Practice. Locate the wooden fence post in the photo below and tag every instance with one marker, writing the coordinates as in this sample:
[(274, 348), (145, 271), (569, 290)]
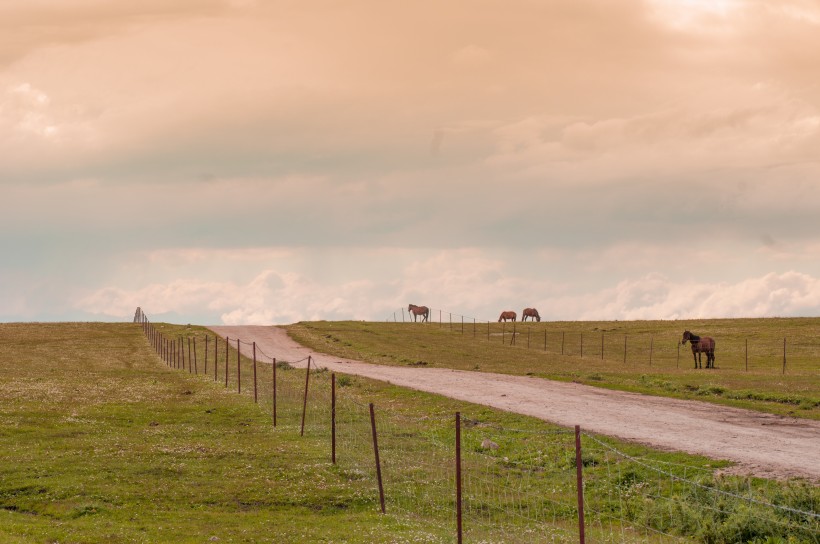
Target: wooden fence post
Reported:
[(226, 361), (747, 355), (376, 452), (304, 402), (238, 369), (333, 418), (274, 392), (206, 355), (579, 474), (624, 350), (255, 399), (458, 477), (784, 355)]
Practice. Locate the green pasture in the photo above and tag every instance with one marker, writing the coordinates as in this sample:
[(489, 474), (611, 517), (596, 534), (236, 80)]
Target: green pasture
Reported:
[(101, 440), (640, 356)]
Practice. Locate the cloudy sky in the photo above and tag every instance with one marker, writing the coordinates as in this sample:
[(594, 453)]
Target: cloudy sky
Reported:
[(241, 161)]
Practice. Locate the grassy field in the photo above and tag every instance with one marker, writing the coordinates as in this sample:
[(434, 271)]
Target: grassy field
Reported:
[(100, 441), (749, 369)]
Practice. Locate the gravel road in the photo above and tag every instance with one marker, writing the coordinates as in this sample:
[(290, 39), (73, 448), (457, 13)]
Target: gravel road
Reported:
[(761, 444)]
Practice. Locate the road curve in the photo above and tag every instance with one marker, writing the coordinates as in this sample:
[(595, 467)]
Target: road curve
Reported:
[(761, 444)]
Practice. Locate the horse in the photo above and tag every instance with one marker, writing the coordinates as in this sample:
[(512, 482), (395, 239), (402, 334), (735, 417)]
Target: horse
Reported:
[(532, 313), (701, 345), (416, 311), (507, 315)]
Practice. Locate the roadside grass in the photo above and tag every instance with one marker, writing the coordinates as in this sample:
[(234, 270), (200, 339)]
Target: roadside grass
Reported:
[(749, 369), (101, 441)]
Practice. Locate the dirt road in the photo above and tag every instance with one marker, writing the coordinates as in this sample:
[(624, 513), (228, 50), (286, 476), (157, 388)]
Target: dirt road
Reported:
[(761, 444)]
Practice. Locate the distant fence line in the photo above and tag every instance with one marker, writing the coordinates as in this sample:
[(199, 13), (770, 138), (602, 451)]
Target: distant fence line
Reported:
[(663, 351), (560, 485)]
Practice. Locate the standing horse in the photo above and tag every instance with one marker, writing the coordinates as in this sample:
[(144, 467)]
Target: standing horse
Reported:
[(507, 315), (699, 346), (416, 311), (532, 313)]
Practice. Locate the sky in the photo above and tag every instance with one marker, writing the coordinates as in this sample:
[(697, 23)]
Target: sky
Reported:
[(272, 161)]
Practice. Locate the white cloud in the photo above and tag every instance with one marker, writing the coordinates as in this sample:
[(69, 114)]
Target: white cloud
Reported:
[(656, 297)]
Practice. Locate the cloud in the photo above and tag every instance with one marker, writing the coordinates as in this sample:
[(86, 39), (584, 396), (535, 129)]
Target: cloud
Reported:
[(656, 297)]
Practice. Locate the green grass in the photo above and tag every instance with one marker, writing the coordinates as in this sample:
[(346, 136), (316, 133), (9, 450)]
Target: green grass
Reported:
[(100, 441), (748, 377)]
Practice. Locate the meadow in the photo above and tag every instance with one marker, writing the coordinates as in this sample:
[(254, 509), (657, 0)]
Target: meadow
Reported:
[(639, 356), (101, 440)]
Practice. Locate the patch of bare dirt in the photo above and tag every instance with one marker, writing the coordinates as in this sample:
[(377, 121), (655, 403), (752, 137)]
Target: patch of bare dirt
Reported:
[(761, 444)]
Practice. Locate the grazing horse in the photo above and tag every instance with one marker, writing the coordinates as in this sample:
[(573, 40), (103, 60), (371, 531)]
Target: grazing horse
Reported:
[(701, 345), (507, 315), (532, 313), (416, 311)]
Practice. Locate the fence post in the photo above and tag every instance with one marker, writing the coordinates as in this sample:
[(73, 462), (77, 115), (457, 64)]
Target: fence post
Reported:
[(333, 418), (579, 474), (216, 356), (458, 476), (274, 392), (304, 402), (238, 369), (784, 355), (226, 361), (677, 362), (376, 452), (196, 367), (190, 359), (602, 346), (651, 348), (624, 350), (206, 355), (512, 341), (254, 374), (747, 355)]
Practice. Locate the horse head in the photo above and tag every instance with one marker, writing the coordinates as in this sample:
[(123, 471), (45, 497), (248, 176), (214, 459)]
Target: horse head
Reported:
[(686, 336)]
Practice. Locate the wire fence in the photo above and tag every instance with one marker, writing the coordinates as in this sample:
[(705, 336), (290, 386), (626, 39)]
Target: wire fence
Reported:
[(662, 350), (468, 478)]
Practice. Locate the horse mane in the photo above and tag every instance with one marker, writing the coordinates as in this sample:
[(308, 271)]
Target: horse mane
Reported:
[(694, 337)]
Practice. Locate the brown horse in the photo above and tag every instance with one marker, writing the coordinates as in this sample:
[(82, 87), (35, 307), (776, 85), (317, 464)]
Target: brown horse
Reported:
[(507, 315), (532, 313), (416, 311), (701, 345)]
